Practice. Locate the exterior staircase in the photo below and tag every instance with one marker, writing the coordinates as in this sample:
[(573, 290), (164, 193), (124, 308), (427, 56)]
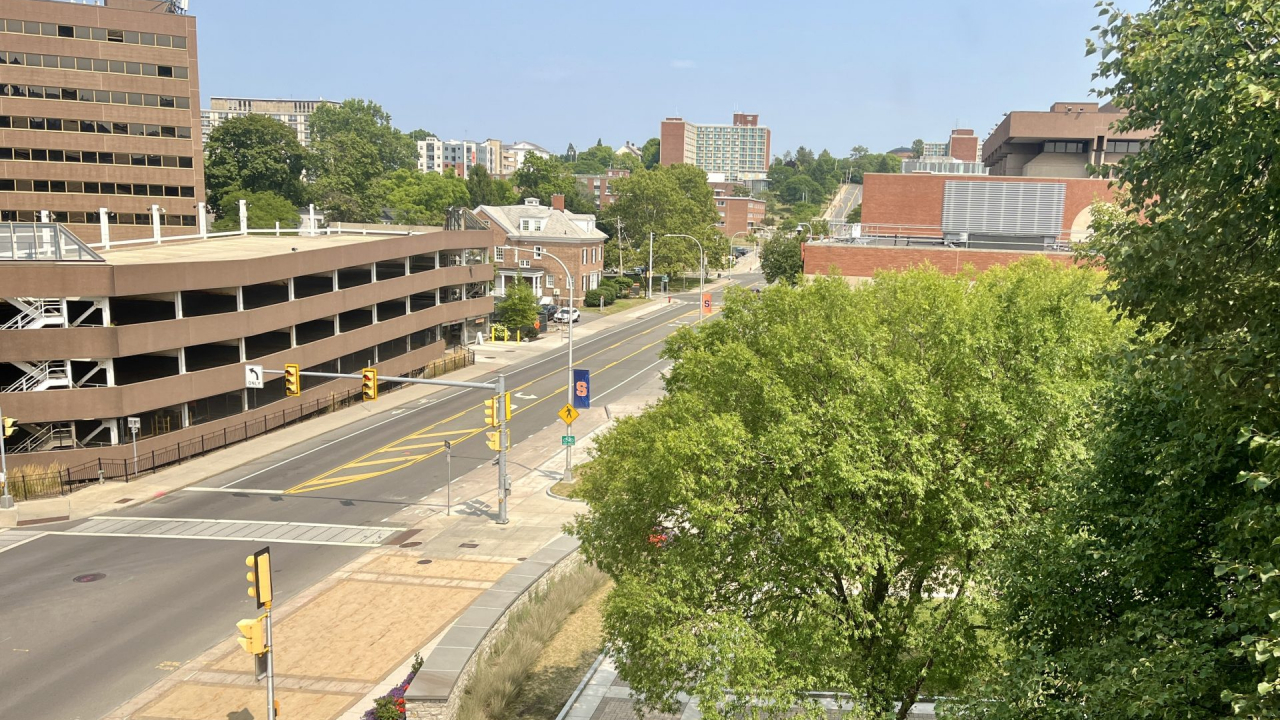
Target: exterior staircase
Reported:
[(35, 313), (55, 436), (43, 376)]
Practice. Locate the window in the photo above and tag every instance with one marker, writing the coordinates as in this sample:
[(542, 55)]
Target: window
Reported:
[(585, 255), (549, 280), (497, 254), (537, 252), (1125, 146), (524, 263), (1064, 147)]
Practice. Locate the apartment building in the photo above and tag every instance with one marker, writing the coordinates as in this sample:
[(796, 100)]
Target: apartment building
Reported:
[(436, 155), (294, 113), (1062, 142), (99, 117), (740, 151), (513, 156), (597, 187), (90, 337), (537, 233)]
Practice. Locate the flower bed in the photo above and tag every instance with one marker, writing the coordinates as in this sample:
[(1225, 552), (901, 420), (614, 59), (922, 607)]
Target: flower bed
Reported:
[(391, 705)]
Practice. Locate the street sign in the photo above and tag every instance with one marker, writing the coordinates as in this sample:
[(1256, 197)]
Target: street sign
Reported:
[(568, 440), (706, 302), (568, 414), (582, 389), (253, 376), (135, 424)]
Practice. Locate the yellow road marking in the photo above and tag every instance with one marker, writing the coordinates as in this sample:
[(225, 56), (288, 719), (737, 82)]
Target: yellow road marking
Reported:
[(330, 478), (418, 445)]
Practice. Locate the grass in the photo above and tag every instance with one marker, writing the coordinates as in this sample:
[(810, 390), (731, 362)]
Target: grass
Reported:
[(565, 489), (563, 663), (509, 662), (621, 305), (37, 471)]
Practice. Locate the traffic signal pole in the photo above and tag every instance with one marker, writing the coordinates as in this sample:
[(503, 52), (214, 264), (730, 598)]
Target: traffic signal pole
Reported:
[(504, 483), (6, 500), (271, 666)]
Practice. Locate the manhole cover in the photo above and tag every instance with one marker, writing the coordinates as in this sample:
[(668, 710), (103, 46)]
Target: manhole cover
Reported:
[(88, 577), (410, 544), (521, 559), (470, 545), (424, 562)]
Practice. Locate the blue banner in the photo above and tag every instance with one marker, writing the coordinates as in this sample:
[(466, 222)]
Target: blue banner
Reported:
[(582, 389)]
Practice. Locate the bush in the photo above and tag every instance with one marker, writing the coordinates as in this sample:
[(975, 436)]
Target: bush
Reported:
[(591, 299), (610, 294), (529, 332)]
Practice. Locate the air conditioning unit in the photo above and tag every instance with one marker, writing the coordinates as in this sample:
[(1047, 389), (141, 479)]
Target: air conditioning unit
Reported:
[(555, 292)]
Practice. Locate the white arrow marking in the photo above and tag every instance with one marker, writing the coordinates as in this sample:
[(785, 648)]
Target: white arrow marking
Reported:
[(522, 396)]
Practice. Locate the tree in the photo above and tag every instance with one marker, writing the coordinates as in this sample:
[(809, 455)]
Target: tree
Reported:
[(254, 153), (627, 161), (541, 178), (483, 189), (1151, 591), (672, 199), (419, 135), (781, 260), (801, 188), (855, 215), (353, 146), (518, 308), (264, 210), (804, 157), (813, 503), (651, 153), (917, 148), (418, 198), (858, 151), (741, 191), (594, 160)]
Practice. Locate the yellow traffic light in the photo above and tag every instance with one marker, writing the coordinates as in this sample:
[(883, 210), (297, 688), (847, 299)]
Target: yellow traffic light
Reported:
[(369, 383), (259, 576), (254, 632), (506, 403), (491, 411), (9, 426), (292, 380), (494, 441)]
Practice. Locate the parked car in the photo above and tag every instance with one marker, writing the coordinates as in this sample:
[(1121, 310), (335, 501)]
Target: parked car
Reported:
[(548, 309), (567, 314), (740, 251)]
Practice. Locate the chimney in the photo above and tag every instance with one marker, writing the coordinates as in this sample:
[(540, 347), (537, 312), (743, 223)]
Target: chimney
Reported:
[(557, 202)]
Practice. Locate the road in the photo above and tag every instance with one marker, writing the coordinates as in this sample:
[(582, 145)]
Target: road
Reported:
[(848, 197), (162, 587)]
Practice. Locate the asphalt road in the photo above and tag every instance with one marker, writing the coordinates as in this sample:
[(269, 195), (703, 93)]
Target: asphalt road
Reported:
[(846, 199), (75, 649)]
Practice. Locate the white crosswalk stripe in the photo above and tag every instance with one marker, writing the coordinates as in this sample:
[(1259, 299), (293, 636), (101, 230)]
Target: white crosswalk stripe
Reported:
[(10, 539), (243, 530)]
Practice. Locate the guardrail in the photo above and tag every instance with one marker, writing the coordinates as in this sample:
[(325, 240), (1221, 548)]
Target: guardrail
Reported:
[(885, 234), (67, 481)]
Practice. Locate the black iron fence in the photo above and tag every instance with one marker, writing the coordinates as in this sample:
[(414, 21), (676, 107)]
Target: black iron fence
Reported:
[(68, 480)]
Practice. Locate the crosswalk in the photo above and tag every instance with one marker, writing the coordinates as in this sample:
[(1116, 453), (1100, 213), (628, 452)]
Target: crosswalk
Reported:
[(242, 530), (10, 539)]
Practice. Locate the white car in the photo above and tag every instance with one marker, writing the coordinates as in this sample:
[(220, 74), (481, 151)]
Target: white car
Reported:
[(566, 314)]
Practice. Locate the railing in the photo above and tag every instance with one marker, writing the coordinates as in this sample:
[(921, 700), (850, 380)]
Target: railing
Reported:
[(44, 371), (885, 234), (49, 242), (33, 311), (64, 482), (65, 436)]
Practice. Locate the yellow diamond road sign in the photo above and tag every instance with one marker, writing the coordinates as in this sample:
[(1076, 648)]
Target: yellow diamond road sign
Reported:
[(568, 414)]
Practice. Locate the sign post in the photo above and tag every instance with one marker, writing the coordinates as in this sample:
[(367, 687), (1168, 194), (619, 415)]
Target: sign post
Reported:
[(448, 477), (253, 376), (135, 424)]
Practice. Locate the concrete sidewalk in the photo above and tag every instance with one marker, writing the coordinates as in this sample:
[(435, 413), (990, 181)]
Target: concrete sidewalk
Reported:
[(112, 496), (352, 636)]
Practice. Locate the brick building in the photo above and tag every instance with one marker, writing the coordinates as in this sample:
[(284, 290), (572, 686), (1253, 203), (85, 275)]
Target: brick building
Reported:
[(294, 113), (597, 187), (1061, 143), (100, 112), (537, 231)]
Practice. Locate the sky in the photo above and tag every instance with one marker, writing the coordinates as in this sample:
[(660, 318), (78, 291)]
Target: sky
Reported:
[(824, 73)]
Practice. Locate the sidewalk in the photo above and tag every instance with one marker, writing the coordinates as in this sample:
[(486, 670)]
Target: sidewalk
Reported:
[(351, 637), (114, 495)]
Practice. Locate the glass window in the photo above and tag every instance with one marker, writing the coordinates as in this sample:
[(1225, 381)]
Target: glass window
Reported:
[(116, 66), (148, 38), (131, 37), (179, 42), (36, 123), (166, 101), (186, 162), (135, 98), (118, 98), (153, 131), (49, 29), (184, 103), (102, 96), (120, 128), (133, 68), (56, 156), (21, 154), (81, 63), (184, 133), (100, 65), (153, 161), (82, 33), (164, 41), (99, 34), (164, 71), (149, 69)]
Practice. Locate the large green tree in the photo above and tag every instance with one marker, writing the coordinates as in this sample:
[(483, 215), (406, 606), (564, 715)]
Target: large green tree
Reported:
[(519, 307), (670, 200), (418, 198), (254, 153), (484, 189), (781, 258), (813, 504), (263, 210), (651, 153), (541, 178), (354, 145), (1153, 590)]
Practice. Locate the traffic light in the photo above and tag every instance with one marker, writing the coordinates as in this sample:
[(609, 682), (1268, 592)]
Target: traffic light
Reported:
[(259, 576), (369, 383), (506, 404), (491, 411), (254, 632), (494, 440), (9, 425), (292, 380)]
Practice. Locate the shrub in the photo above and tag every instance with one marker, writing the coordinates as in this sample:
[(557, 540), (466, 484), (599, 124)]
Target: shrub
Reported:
[(529, 332), (591, 299), (610, 294)]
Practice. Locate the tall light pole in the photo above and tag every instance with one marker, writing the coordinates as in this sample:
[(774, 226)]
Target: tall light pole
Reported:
[(732, 259), (702, 284), (568, 451), (800, 225)]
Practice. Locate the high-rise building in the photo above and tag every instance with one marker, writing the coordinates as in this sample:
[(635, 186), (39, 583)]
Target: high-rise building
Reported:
[(436, 155), (294, 113), (99, 112), (740, 150)]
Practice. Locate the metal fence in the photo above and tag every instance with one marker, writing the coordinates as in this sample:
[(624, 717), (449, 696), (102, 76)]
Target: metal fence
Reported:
[(67, 481)]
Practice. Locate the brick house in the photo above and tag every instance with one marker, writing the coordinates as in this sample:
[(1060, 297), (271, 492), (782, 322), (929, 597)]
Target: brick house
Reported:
[(539, 233)]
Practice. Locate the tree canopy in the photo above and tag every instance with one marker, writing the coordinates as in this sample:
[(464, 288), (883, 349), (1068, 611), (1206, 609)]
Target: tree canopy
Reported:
[(541, 178), (484, 189), (1152, 590), (781, 258), (264, 209), (651, 153), (254, 153), (418, 198), (518, 308), (813, 504), (670, 200), (353, 146)]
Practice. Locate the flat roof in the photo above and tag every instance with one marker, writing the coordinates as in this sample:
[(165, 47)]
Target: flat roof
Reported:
[(241, 247)]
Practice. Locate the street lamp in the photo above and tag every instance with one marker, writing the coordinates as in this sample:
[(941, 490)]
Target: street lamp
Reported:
[(702, 284), (731, 237), (568, 451), (805, 225)]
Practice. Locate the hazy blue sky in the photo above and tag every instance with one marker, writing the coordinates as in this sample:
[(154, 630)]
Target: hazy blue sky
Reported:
[(827, 74)]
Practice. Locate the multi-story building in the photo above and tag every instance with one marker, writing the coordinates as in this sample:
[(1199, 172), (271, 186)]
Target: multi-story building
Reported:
[(99, 116), (159, 332), (536, 231), (436, 155), (1062, 142), (513, 156), (294, 113), (934, 150), (740, 150), (597, 187), (738, 214)]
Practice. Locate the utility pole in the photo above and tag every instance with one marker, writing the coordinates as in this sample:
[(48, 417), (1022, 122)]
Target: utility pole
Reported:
[(504, 483), (448, 477), (650, 266), (618, 221)]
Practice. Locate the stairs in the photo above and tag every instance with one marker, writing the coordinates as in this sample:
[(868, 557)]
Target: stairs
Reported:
[(43, 376), (50, 437), (35, 313)]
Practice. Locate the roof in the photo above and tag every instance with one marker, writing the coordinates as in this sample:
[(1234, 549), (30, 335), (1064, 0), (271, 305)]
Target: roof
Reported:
[(558, 226), (230, 248)]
